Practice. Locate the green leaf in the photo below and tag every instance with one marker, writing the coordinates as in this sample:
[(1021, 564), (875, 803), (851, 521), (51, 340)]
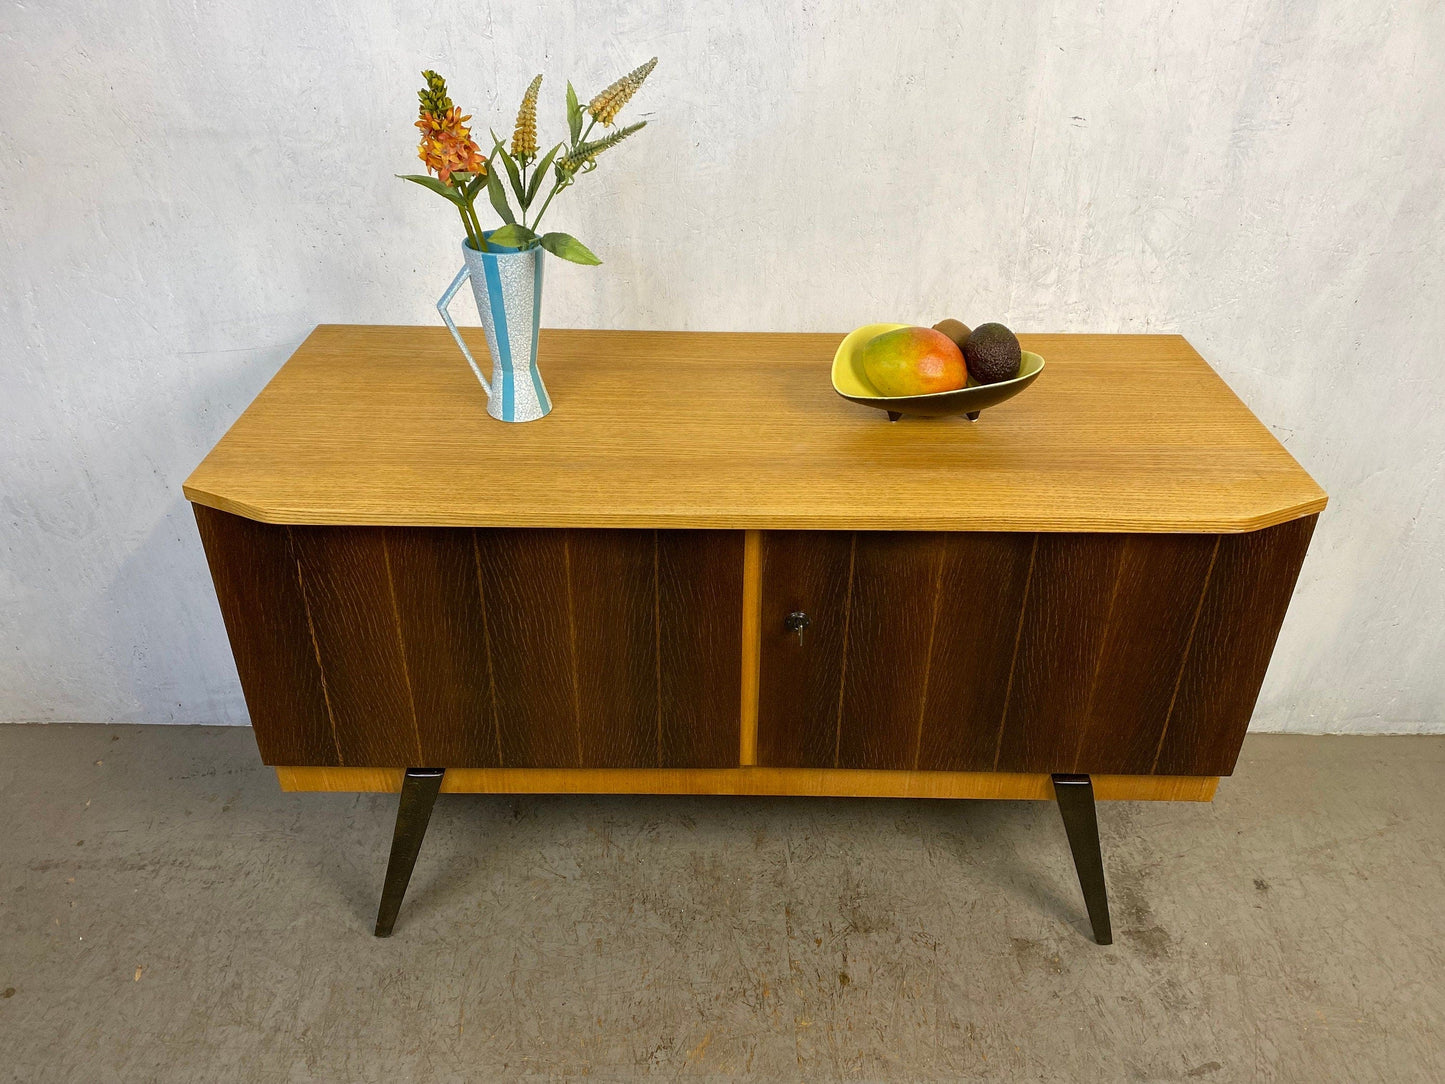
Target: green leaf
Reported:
[(513, 235), (475, 185), (569, 248), (445, 191), (498, 197), (574, 113), (511, 164), (541, 171)]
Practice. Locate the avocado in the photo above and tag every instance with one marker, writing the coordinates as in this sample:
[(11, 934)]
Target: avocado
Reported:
[(956, 330), (992, 354)]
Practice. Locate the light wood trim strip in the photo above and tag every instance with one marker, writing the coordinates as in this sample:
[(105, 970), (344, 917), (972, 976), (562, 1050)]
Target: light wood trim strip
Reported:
[(359, 780), (804, 782), (752, 645), (1062, 519)]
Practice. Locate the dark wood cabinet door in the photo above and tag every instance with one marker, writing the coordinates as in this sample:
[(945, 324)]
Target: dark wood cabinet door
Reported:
[(905, 663), (1130, 654), (614, 649), (461, 647)]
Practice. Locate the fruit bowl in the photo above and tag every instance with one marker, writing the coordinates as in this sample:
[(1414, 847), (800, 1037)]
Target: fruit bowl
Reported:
[(852, 383)]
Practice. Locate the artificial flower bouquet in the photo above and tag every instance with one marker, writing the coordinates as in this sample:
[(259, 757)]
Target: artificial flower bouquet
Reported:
[(461, 171)]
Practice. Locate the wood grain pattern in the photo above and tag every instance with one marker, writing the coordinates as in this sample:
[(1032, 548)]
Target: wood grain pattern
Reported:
[(596, 649), (1065, 620), (1239, 621), (801, 683), (931, 634), (460, 648), (700, 646), (386, 425), (259, 589), (892, 619), (1106, 632), (442, 628), (1112, 654), (523, 577), (985, 580), (1138, 669), (825, 782), (353, 608), (906, 664), (613, 602)]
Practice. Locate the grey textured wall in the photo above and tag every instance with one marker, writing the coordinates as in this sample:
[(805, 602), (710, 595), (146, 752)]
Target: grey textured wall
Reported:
[(186, 189)]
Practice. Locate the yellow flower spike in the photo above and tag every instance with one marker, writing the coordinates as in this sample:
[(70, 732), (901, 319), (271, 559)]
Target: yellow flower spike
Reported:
[(524, 136), (609, 102)]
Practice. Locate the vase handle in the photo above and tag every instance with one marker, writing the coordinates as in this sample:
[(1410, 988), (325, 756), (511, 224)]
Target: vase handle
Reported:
[(442, 303)]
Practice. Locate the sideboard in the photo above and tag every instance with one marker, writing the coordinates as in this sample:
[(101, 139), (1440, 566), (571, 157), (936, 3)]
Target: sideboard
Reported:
[(706, 573)]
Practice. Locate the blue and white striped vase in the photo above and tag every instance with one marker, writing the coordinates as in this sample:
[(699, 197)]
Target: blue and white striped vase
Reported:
[(507, 284)]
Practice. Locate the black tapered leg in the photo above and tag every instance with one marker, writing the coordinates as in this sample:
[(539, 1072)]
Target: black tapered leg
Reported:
[(1075, 794), (418, 794)]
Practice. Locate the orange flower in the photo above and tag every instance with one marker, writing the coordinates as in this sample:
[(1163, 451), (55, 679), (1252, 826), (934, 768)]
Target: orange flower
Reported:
[(447, 146)]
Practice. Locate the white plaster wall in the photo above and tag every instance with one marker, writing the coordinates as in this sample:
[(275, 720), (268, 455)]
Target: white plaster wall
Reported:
[(186, 189)]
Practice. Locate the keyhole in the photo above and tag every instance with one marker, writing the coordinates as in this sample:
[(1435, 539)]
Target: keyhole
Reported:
[(798, 622)]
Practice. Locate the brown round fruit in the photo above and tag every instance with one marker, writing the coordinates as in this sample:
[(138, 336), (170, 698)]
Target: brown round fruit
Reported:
[(956, 330), (992, 354)]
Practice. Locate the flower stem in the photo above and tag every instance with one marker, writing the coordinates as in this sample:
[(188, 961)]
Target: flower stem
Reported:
[(481, 242), (474, 227), (462, 208), (557, 186)]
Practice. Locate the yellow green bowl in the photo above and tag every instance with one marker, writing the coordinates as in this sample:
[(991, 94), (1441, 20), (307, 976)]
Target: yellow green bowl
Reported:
[(852, 383)]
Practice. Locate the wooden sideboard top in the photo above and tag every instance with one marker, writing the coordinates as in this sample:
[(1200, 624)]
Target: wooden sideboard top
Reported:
[(387, 425)]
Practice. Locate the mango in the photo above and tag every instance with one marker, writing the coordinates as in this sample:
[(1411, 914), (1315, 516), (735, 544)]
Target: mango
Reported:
[(913, 361)]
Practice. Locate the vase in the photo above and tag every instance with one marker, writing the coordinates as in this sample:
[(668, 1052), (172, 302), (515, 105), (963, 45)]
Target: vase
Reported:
[(507, 286)]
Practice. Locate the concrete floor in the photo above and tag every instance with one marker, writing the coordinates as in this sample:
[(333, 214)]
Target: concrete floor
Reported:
[(169, 915)]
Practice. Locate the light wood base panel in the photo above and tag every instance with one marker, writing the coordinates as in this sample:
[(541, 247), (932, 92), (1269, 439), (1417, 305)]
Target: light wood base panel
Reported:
[(802, 782)]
